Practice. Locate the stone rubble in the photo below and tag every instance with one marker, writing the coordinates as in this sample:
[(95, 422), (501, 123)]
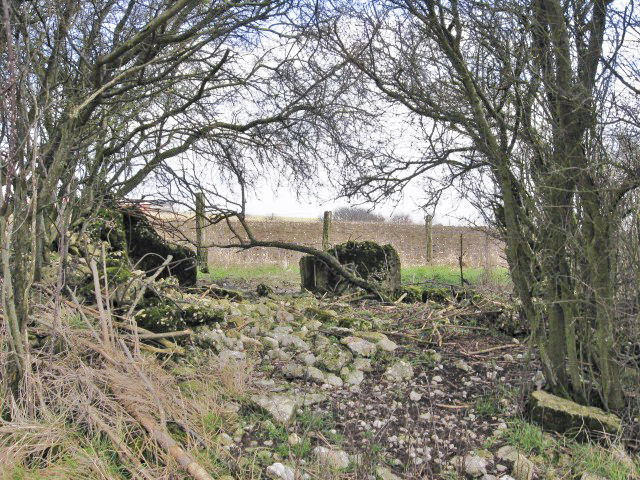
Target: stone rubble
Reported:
[(419, 405)]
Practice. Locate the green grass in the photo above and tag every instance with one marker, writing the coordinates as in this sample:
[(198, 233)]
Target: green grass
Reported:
[(436, 273), (451, 274), (594, 459), (527, 438), (567, 457), (489, 405), (264, 273)]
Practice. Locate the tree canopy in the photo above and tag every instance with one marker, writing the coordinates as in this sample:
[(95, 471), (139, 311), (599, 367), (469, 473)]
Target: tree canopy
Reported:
[(528, 108)]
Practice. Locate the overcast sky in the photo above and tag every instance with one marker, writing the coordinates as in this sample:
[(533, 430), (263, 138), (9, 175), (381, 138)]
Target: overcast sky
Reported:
[(285, 204)]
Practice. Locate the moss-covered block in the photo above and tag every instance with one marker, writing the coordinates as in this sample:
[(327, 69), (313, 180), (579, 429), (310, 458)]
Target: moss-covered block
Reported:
[(161, 317), (377, 264), (562, 415), (106, 226)]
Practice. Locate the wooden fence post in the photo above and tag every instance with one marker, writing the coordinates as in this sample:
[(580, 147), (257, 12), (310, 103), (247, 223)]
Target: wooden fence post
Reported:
[(326, 229), (487, 253), (202, 252), (428, 219), (462, 280)]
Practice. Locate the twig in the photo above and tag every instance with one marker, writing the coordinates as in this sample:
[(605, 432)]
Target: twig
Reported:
[(163, 351), (154, 336), (404, 335), (399, 300), (453, 407), (104, 325), (492, 349), (81, 312)]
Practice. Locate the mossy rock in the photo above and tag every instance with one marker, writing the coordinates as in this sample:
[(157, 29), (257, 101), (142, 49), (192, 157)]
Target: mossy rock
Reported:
[(333, 357), (199, 314), (421, 293), (377, 264), (106, 225), (161, 317), (355, 323), (158, 316), (440, 295), (329, 317), (412, 293), (264, 290), (149, 250), (562, 415)]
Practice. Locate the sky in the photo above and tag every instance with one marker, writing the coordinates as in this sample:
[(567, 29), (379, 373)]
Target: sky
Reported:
[(285, 204)]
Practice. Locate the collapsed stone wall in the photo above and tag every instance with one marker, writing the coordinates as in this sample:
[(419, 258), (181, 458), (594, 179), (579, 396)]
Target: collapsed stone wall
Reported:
[(379, 265)]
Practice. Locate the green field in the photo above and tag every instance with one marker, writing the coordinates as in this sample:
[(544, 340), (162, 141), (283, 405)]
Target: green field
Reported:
[(439, 274), (260, 273), (451, 275)]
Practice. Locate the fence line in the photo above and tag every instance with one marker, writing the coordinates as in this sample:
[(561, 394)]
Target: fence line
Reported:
[(480, 250)]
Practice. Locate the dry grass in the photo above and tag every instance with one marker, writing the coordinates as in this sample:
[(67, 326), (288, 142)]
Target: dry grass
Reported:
[(85, 410)]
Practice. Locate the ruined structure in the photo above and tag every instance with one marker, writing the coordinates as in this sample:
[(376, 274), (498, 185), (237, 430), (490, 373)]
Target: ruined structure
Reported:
[(376, 264), (148, 250)]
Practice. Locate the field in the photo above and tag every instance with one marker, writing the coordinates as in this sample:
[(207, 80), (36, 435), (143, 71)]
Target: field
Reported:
[(478, 248), (277, 274)]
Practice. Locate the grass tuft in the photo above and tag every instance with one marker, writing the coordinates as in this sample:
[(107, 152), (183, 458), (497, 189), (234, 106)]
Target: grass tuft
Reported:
[(594, 459), (528, 438)]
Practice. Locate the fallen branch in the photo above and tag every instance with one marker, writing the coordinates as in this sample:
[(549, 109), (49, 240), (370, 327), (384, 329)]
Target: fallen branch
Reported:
[(331, 261), (159, 433), (178, 350), (124, 453), (162, 437)]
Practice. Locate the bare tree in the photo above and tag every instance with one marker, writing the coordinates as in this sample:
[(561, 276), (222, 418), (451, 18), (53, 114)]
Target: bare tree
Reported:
[(515, 110), (98, 96), (401, 218)]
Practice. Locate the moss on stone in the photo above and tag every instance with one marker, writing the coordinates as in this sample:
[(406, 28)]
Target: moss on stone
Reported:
[(355, 323), (420, 293), (437, 294), (160, 317), (106, 226), (412, 293), (198, 314), (563, 415), (325, 316), (377, 264)]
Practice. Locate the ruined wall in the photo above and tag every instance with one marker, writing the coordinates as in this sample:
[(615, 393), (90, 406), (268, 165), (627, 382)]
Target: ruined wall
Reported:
[(408, 239)]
